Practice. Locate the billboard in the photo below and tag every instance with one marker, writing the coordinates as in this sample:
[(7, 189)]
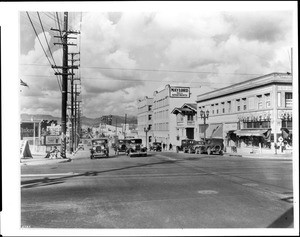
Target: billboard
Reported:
[(52, 140), (179, 92)]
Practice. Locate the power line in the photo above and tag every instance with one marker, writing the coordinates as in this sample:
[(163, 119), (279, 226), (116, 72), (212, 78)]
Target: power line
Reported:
[(162, 70), (42, 46), (136, 80), (48, 47)]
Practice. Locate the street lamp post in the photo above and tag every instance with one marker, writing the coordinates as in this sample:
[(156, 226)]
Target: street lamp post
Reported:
[(146, 130), (204, 115)]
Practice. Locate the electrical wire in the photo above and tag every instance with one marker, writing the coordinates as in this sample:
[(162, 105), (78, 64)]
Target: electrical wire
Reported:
[(42, 47)]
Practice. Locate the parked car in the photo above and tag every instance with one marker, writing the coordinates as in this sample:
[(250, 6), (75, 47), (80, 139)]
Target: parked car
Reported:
[(99, 148), (135, 147), (186, 145), (210, 146), (121, 145), (156, 146)]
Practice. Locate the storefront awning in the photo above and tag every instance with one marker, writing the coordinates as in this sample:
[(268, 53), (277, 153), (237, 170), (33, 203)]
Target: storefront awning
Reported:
[(250, 132), (214, 131)]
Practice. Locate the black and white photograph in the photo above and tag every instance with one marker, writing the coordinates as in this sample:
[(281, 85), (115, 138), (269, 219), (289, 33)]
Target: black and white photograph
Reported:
[(149, 118)]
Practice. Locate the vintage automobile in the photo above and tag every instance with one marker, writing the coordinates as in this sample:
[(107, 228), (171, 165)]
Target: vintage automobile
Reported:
[(186, 145), (210, 146), (135, 147), (156, 146), (99, 148), (121, 145)]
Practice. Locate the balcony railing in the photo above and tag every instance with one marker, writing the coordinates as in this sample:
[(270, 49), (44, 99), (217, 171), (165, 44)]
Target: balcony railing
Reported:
[(190, 123)]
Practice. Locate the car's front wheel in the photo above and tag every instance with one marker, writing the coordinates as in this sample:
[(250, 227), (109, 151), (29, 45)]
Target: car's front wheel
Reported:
[(208, 151)]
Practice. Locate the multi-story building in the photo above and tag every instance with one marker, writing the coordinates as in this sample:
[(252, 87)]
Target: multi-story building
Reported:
[(145, 115), (250, 116), (186, 116), (164, 122)]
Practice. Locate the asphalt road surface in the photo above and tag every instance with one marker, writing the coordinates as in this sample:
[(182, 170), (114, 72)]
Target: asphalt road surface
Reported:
[(162, 190)]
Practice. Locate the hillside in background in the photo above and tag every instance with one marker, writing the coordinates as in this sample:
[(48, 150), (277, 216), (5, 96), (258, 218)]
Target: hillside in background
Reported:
[(132, 120)]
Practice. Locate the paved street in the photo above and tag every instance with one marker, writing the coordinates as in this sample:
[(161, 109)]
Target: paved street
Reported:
[(162, 190)]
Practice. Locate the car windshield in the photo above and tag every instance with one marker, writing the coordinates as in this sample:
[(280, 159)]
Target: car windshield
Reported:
[(101, 142), (123, 141), (136, 141)]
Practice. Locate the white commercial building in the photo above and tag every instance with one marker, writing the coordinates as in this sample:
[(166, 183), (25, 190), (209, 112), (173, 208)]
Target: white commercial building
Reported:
[(164, 121), (250, 116)]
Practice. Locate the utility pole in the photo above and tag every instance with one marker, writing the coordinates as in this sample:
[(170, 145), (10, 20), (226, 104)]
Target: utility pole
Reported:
[(72, 103), (64, 38), (117, 126), (292, 61), (125, 126), (64, 88)]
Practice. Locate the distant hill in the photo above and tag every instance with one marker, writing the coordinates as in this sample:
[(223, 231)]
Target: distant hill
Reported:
[(116, 119)]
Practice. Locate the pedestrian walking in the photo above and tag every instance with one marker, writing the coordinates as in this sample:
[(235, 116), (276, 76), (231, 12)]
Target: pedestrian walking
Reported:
[(170, 146), (164, 146)]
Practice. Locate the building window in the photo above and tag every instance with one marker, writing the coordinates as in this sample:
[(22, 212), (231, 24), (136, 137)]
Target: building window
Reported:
[(259, 102), (149, 117), (223, 107), (238, 106), (288, 99), (268, 100), (257, 124), (229, 106), (287, 124), (244, 104), (190, 117), (212, 109), (179, 118), (149, 107), (279, 99)]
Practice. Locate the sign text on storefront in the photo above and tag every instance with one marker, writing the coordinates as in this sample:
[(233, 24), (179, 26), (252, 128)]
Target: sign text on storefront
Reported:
[(180, 92)]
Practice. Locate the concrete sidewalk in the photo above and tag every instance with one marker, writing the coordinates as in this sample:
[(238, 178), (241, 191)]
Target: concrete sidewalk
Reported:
[(288, 156), (262, 156), (39, 159)]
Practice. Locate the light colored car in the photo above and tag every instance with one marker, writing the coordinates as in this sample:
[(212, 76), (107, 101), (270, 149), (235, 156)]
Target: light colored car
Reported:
[(135, 147)]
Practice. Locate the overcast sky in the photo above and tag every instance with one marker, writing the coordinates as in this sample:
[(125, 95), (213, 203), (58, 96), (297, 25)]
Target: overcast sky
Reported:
[(125, 56)]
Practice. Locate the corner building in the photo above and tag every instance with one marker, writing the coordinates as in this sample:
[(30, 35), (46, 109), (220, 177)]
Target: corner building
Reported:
[(250, 116), (164, 122)]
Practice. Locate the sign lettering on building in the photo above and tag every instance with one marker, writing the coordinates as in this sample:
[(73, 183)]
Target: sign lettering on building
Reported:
[(179, 92)]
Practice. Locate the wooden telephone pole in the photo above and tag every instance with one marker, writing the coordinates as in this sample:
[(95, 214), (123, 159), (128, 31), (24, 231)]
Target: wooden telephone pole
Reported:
[(64, 42)]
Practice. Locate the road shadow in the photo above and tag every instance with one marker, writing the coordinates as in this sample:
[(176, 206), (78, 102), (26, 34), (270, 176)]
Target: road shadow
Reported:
[(286, 220), (33, 183)]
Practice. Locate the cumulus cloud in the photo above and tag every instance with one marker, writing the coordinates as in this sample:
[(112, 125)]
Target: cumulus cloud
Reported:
[(125, 56)]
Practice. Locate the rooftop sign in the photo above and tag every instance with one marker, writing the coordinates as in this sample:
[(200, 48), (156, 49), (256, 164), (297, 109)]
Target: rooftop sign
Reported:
[(179, 92)]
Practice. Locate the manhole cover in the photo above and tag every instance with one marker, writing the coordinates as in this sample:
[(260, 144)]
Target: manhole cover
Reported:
[(207, 192), (251, 184)]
